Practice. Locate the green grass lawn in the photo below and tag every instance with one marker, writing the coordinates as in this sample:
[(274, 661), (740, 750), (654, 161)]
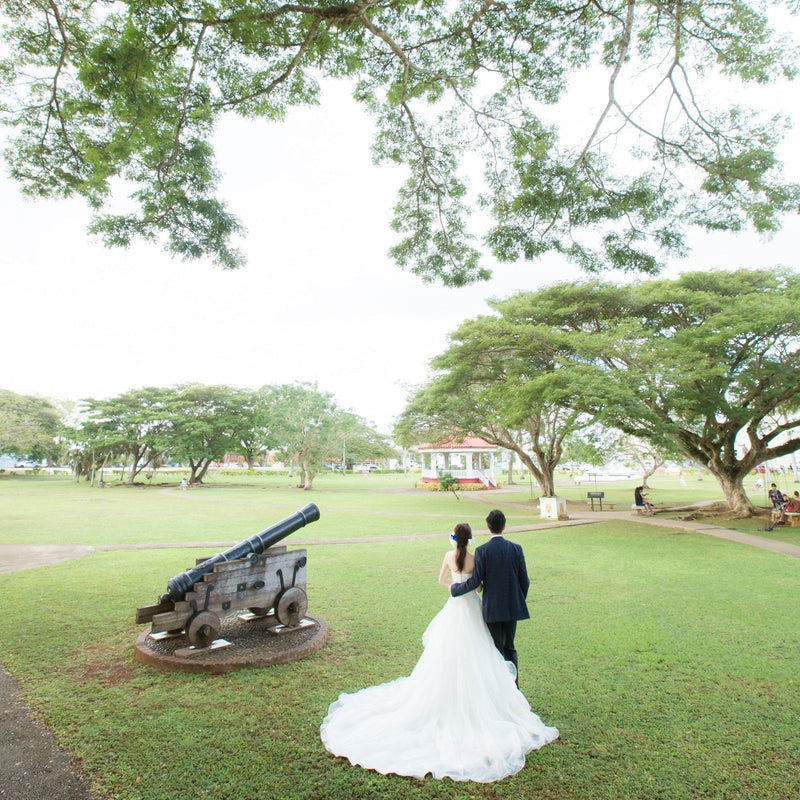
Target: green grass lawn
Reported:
[(70, 512), (664, 490), (667, 492), (668, 660)]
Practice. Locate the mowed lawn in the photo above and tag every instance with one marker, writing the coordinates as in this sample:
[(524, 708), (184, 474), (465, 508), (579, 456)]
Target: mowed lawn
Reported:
[(669, 661)]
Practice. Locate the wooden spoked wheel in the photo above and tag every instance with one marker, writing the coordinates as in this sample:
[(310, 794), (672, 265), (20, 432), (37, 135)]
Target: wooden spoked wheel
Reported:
[(291, 606), (203, 628)]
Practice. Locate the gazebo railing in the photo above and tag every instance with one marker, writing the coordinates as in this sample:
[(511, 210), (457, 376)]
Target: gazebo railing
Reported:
[(487, 480)]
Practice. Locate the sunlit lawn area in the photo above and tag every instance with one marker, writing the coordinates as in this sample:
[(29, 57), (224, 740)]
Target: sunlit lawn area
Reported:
[(665, 491), (668, 660), (230, 510)]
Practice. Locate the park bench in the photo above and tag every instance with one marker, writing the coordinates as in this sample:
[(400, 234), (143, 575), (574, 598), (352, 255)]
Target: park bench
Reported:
[(794, 518)]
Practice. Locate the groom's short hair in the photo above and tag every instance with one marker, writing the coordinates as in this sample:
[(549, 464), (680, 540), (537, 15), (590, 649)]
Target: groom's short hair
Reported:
[(496, 521)]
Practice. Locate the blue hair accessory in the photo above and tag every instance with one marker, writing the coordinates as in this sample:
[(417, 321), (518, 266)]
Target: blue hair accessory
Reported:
[(454, 537)]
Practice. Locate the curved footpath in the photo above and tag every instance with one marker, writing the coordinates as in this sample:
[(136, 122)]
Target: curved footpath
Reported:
[(33, 767), (698, 526)]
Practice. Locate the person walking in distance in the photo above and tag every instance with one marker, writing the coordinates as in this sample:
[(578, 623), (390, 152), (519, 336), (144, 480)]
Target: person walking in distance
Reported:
[(500, 567)]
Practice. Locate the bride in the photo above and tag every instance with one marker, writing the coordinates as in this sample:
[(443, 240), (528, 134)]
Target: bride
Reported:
[(458, 714)]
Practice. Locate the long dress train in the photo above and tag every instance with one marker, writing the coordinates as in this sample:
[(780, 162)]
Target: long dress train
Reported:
[(458, 714)]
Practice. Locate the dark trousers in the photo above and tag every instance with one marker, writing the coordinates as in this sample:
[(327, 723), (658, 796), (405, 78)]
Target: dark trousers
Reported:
[(503, 636)]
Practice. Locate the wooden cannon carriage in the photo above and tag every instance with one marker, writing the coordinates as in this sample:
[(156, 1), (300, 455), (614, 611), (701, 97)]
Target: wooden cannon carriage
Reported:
[(254, 577)]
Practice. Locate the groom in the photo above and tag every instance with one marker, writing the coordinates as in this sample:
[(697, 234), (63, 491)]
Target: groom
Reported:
[(500, 567)]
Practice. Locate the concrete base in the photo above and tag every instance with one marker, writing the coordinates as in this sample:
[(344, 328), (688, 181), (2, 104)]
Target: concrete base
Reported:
[(553, 508), (252, 645)]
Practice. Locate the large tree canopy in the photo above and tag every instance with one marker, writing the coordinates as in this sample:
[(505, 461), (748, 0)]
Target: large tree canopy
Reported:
[(708, 363), (312, 428), (506, 385), (206, 422), (29, 426), (131, 425), (199, 424), (102, 94), (706, 366)]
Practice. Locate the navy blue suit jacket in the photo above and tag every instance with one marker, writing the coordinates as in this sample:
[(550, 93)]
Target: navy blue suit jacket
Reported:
[(500, 567)]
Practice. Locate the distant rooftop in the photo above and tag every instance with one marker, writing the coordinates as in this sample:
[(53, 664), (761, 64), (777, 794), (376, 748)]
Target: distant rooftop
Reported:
[(454, 443)]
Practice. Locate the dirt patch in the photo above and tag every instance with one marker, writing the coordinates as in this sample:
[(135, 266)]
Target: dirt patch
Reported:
[(107, 671), (16, 557)]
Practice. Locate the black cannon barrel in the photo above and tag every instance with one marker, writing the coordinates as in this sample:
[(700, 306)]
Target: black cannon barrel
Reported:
[(257, 544)]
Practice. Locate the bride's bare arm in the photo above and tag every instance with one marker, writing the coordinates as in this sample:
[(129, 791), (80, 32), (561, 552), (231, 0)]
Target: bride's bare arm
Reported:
[(444, 578)]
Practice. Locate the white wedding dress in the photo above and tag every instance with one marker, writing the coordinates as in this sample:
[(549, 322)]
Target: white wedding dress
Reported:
[(457, 715)]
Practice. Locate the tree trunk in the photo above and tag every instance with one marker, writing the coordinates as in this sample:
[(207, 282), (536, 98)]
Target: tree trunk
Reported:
[(735, 494), (136, 468), (544, 475), (547, 459), (206, 463), (198, 469), (548, 483)]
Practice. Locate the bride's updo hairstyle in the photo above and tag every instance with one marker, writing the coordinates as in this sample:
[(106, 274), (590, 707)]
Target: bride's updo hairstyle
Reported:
[(462, 534)]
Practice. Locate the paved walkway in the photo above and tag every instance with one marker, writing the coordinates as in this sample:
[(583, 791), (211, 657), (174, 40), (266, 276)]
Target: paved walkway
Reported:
[(33, 767), (17, 557)]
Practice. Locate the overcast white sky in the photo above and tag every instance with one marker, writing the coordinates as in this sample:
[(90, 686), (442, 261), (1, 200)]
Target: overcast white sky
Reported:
[(319, 299)]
